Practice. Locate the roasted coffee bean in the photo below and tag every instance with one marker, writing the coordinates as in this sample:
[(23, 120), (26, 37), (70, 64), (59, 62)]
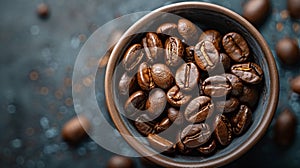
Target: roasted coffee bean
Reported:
[(223, 130), (153, 46), (133, 57), (249, 72), (162, 125), (120, 162), (293, 7), (212, 36), (199, 109), (295, 84), (225, 61), (144, 125), (181, 147), (206, 55), (188, 31), (156, 102), (285, 128), (176, 97), (236, 47), (75, 129), (208, 148), (161, 144), (242, 120), (135, 104), (195, 135), (43, 11), (236, 84), (169, 29), (175, 116), (249, 96), (174, 51), (256, 11), (162, 76), (288, 51), (227, 106), (144, 77), (189, 56), (127, 84), (187, 76), (216, 86)]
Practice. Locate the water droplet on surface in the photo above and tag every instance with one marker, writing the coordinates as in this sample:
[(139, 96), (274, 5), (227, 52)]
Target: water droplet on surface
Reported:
[(35, 30)]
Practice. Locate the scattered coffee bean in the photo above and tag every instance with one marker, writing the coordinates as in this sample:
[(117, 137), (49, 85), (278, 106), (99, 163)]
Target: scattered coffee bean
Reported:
[(242, 120), (227, 106), (127, 84), (199, 109), (187, 76), (156, 102), (161, 144), (225, 61), (144, 124), (153, 47), (236, 47), (248, 72), (188, 31), (133, 57), (223, 130), (256, 11), (293, 7), (176, 97), (144, 77), (189, 57), (135, 104), (174, 51), (75, 129), (163, 125), (206, 55), (288, 51), (120, 162), (180, 146), (249, 96), (212, 36), (169, 29), (162, 76), (285, 128), (295, 84), (43, 11), (216, 86), (175, 116), (236, 84), (208, 148), (195, 135)]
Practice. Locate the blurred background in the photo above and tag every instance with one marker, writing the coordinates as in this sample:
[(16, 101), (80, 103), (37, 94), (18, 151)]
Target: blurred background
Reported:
[(36, 64)]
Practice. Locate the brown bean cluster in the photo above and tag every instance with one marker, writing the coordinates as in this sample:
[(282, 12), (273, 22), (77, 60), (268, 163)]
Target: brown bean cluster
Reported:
[(201, 88)]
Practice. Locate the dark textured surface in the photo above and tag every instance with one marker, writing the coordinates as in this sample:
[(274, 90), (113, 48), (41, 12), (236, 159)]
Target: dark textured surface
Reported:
[(33, 111)]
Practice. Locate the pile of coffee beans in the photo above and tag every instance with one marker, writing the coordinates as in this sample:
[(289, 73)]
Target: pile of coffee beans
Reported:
[(201, 88)]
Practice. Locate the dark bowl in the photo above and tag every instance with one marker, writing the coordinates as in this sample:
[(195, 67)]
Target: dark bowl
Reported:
[(215, 17)]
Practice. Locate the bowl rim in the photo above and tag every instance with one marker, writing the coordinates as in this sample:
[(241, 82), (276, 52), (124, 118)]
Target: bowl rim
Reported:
[(245, 146)]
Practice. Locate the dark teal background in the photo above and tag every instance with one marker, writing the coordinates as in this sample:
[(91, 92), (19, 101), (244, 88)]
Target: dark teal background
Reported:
[(32, 113)]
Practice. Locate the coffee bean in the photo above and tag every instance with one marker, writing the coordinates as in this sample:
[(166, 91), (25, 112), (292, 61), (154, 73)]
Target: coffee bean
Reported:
[(153, 47), (236, 84), (133, 57), (195, 135), (175, 116), (144, 124), (285, 128), (162, 76), (249, 96), (248, 72), (174, 51), (163, 125), (176, 97), (75, 129), (43, 11), (212, 36), (295, 84), (242, 120), (208, 148), (227, 106), (187, 76), (144, 77), (225, 61), (188, 31), (189, 56), (169, 29), (288, 51), (206, 55), (293, 7), (199, 109), (135, 104), (120, 162), (156, 102), (236, 47), (256, 11), (223, 130), (216, 86), (127, 84), (180, 146), (161, 144)]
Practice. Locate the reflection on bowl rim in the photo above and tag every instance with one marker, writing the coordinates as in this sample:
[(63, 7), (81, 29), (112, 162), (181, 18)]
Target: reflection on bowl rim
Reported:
[(246, 145)]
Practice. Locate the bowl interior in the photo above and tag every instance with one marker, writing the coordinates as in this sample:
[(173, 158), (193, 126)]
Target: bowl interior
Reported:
[(205, 17)]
